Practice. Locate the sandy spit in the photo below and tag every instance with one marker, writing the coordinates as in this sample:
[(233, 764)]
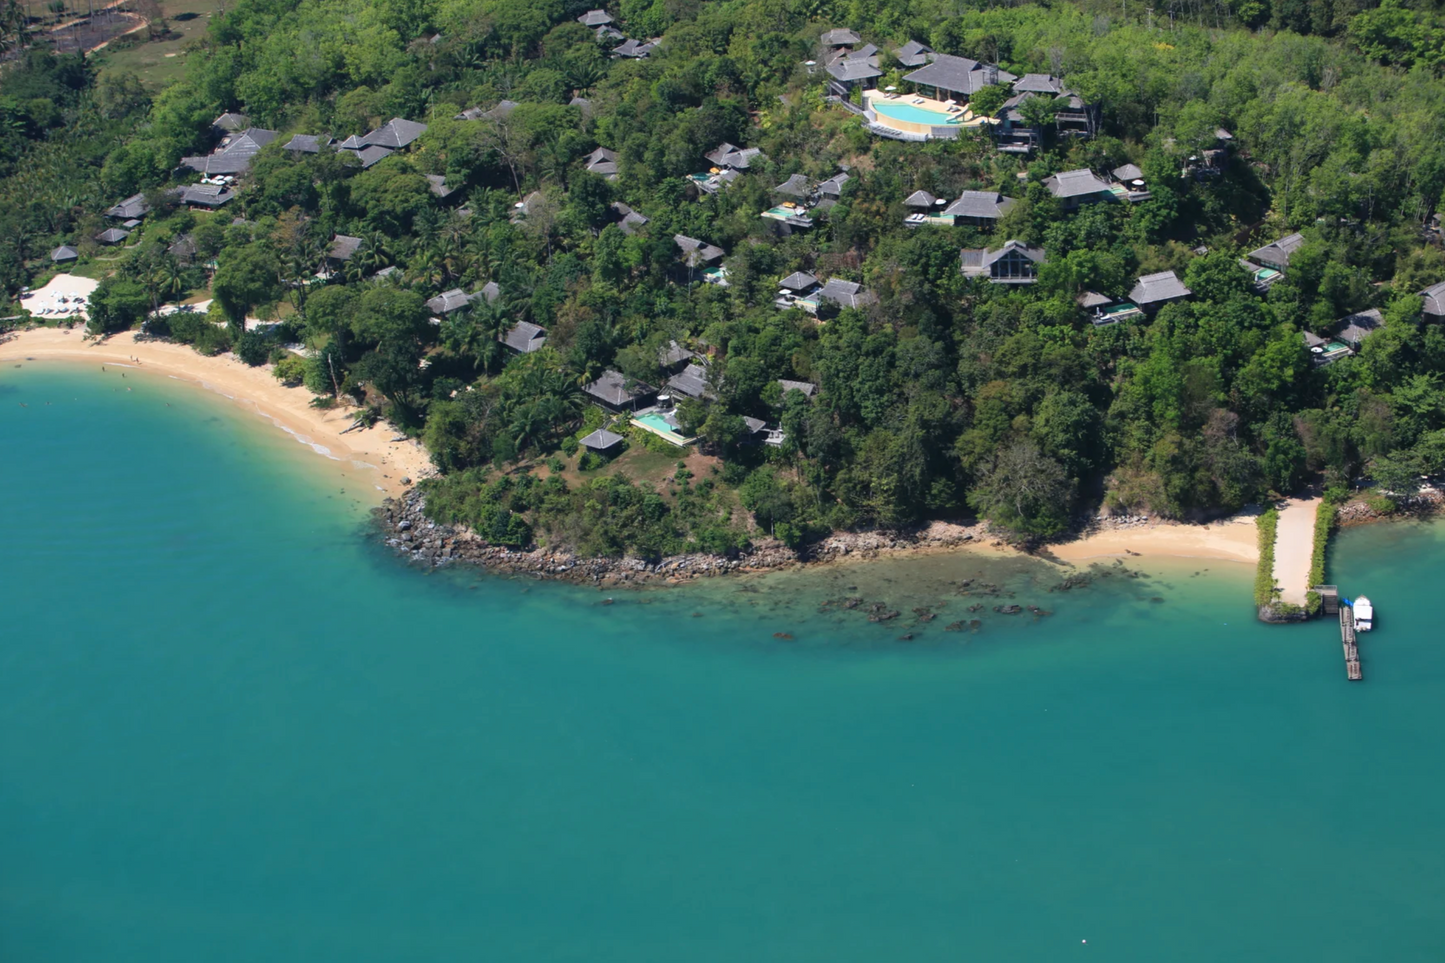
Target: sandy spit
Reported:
[(254, 389)]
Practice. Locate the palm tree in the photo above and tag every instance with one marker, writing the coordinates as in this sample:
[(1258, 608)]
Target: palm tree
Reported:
[(170, 278)]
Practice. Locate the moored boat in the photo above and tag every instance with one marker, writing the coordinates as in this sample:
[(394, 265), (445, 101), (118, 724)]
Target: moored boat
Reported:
[(1364, 615)]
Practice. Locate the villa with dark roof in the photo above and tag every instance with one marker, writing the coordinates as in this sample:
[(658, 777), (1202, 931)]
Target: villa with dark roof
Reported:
[(1276, 254), (1433, 309), (1153, 291), (233, 155), (1014, 263), (133, 207), (617, 392), (308, 143), (979, 208), (601, 162), (913, 54), (524, 337), (958, 76), (1077, 187)]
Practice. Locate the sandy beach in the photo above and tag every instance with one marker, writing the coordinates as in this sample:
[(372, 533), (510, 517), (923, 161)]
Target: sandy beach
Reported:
[(254, 389), (1231, 539)]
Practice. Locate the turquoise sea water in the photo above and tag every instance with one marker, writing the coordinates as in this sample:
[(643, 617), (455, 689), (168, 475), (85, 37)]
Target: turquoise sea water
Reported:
[(232, 729)]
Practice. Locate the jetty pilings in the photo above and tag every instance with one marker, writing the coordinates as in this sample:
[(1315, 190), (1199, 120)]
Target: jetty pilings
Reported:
[(1350, 643)]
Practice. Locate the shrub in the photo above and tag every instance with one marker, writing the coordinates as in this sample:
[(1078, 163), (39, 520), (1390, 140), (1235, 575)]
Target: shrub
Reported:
[(291, 370), (1264, 591)]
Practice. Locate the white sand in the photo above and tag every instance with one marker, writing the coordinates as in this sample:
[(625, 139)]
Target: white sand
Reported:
[(46, 302), (255, 389), (1294, 545)]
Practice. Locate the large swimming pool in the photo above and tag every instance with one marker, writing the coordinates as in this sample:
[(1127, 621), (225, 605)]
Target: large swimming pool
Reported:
[(916, 115)]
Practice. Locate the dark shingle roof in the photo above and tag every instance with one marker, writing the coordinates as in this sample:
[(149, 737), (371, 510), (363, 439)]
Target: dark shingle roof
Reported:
[(840, 37), (603, 162), (617, 389), (525, 337), (672, 354), (132, 207), (234, 154), (64, 253), (958, 74), (449, 301), (978, 262), (691, 381), (833, 186), (499, 112), (849, 294), (1355, 328), (370, 156), (231, 121), (308, 143), (112, 235), (920, 199), (601, 440), (989, 205), (728, 155), (697, 252), (395, 134), (1157, 288), (1129, 172), (183, 247), (1076, 183), (1434, 299), (594, 18), (803, 386), (206, 195), (797, 185), (913, 54), (343, 246), (438, 185), (636, 49), (1039, 84), (798, 281), (631, 220), (849, 70), (1093, 299), (1279, 251)]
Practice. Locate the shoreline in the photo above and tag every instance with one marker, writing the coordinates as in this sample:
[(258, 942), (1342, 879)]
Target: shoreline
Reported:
[(404, 527), (392, 465)]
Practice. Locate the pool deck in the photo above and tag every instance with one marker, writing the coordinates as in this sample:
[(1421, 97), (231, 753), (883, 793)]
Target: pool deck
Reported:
[(665, 434)]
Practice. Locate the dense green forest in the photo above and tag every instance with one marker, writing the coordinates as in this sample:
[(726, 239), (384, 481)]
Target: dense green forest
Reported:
[(945, 397)]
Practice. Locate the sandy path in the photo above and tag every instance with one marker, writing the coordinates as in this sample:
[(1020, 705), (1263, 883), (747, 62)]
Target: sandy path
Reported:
[(255, 389), (1294, 545)]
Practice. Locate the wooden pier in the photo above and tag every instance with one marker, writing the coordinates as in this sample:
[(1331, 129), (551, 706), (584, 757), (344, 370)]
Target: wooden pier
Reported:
[(1347, 637)]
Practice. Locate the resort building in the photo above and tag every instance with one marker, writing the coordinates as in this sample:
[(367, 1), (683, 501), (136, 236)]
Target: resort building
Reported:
[(1077, 187), (64, 254), (979, 208), (617, 392), (1153, 291), (231, 122), (674, 356), (1349, 334), (130, 209), (1276, 255), (1072, 118), (701, 259), (733, 157), (594, 18), (913, 54), (953, 77), (524, 337), (840, 37), (308, 143), (206, 197), (838, 294), (634, 49), (628, 220), (602, 162), (797, 185), (112, 235), (1434, 307), (807, 389), (692, 382), (1014, 263), (500, 112), (601, 441), (798, 290), (1102, 309), (1131, 179), (233, 155), (851, 71)]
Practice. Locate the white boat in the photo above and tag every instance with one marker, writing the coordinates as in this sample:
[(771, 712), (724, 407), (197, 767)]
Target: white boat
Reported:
[(1364, 615)]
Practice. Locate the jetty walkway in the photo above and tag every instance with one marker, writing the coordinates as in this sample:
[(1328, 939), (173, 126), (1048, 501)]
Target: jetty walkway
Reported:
[(1294, 545)]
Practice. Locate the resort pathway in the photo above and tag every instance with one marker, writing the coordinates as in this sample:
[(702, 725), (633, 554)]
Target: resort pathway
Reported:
[(1294, 543)]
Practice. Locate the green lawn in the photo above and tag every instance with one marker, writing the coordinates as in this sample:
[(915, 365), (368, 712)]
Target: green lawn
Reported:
[(163, 63)]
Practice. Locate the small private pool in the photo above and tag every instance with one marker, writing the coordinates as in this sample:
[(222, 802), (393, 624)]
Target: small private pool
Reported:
[(1265, 274)]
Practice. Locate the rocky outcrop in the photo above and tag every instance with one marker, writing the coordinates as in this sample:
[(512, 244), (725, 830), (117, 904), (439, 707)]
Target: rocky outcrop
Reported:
[(405, 527)]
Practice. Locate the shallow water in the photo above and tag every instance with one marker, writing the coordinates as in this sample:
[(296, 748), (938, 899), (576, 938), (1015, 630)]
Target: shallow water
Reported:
[(232, 728)]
